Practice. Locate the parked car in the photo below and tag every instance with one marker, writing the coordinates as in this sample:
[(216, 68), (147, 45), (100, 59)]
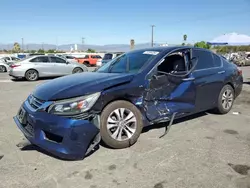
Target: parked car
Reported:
[(108, 57), (89, 60), (69, 116), (36, 67), (3, 66), (9, 59)]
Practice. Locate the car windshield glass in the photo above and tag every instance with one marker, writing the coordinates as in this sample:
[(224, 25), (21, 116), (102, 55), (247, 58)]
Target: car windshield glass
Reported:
[(130, 62)]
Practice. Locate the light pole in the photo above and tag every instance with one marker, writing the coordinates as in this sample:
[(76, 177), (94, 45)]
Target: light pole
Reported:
[(22, 45), (83, 43), (152, 37)]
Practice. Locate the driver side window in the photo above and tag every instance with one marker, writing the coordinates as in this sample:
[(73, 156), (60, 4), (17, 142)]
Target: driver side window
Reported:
[(173, 64)]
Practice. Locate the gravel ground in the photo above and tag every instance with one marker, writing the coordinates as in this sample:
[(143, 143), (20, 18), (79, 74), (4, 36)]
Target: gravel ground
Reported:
[(204, 150)]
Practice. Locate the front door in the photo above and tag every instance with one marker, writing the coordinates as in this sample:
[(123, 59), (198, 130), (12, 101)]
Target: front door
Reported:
[(60, 66), (170, 92)]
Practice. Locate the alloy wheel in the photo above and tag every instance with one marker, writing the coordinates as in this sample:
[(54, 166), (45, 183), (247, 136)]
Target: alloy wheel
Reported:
[(121, 124), (227, 99), (2, 69), (32, 75)]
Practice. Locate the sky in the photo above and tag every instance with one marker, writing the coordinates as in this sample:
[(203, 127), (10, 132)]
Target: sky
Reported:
[(103, 22)]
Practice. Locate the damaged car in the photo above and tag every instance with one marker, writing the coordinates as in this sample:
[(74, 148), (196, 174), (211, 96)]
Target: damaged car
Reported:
[(69, 116)]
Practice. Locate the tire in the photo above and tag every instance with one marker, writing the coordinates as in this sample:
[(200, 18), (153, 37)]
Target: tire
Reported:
[(77, 70), (3, 68), (128, 138), (226, 97), (31, 75)]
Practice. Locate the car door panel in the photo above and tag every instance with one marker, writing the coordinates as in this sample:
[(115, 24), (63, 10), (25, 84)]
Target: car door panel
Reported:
[(42, 65), (60, 66), (209, 80), (169, 95)]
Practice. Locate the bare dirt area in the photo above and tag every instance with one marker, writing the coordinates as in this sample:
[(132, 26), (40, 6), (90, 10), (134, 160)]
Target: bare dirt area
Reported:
[(205, 150)]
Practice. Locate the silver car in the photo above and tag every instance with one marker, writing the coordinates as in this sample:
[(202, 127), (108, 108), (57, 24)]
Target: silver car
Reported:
[(36, 67)]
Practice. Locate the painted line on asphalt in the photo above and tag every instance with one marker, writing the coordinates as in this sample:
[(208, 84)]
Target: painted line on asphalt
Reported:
[(6, 81)]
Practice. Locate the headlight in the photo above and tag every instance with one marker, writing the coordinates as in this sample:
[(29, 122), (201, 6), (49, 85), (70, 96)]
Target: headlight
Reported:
[(74, 105)]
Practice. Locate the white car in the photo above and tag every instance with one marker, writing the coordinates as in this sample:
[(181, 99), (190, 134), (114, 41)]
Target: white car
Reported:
[(3, 67), (36, 67), (9, 59)]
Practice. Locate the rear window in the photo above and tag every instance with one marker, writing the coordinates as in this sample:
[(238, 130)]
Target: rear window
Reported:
[(107, 56), (42, 59)]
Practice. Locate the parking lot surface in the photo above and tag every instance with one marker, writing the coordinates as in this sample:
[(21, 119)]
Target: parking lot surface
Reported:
[(204, 150)]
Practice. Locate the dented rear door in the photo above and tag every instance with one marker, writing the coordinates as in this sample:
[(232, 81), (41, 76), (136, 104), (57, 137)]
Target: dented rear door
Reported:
[(169, 94)]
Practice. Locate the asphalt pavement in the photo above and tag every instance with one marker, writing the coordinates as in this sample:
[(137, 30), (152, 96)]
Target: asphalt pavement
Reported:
[(205, 150)]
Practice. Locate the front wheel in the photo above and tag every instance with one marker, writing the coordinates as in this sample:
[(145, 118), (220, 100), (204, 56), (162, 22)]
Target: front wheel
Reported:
[(225, 100), (121, 124)]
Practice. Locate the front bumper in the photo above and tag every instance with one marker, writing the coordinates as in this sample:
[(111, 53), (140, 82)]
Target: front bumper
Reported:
[(63, 137)]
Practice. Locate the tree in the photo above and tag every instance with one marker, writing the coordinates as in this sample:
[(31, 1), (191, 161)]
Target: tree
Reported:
[(184, 39), (41, 51), (51, 51), (90, 50), (16, 47), (202, 44)]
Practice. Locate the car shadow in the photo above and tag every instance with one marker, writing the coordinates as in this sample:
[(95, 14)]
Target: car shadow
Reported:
[(31, 147), (40, 79), (165, 124), (177, 121), (248, 82)]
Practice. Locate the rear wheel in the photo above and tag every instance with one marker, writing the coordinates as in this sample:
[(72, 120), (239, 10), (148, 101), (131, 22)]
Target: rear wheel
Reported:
[(225, 100), (31, 75), (121, 124), (77, 70), (2, 68)]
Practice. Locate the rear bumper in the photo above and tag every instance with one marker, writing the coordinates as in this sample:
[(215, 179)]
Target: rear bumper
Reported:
[(63, 137), (238, 86), (16, 73)]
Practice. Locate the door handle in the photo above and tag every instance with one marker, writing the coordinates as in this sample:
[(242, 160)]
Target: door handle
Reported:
[(221, 72), (188, 79)]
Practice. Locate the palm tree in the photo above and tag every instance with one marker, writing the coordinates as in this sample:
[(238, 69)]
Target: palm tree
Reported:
[(185, 39), (16, 47)]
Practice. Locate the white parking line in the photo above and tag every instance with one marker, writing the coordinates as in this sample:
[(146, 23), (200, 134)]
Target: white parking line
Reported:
[(6, 81)]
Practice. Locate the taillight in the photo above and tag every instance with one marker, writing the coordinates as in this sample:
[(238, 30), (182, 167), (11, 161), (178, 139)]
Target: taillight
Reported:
[(13, 66), (239, 71)]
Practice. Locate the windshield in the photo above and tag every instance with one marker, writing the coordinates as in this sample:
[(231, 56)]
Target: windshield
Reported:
[(130, 62)]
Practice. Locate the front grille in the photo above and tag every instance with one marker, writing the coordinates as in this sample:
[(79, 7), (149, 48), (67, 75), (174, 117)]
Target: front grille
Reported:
[(35, 102)]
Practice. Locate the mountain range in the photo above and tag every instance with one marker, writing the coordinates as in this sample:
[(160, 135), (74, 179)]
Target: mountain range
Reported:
[(67, 47)]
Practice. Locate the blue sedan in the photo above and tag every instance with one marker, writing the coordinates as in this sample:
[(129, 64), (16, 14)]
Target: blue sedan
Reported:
[(69, 116)]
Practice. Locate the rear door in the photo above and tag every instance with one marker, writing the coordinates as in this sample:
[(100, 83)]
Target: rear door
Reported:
[(209, 78), (61, 67), (42, 65)]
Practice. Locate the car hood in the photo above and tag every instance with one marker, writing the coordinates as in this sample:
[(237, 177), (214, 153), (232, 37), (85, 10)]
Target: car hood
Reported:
[(78, 85)]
